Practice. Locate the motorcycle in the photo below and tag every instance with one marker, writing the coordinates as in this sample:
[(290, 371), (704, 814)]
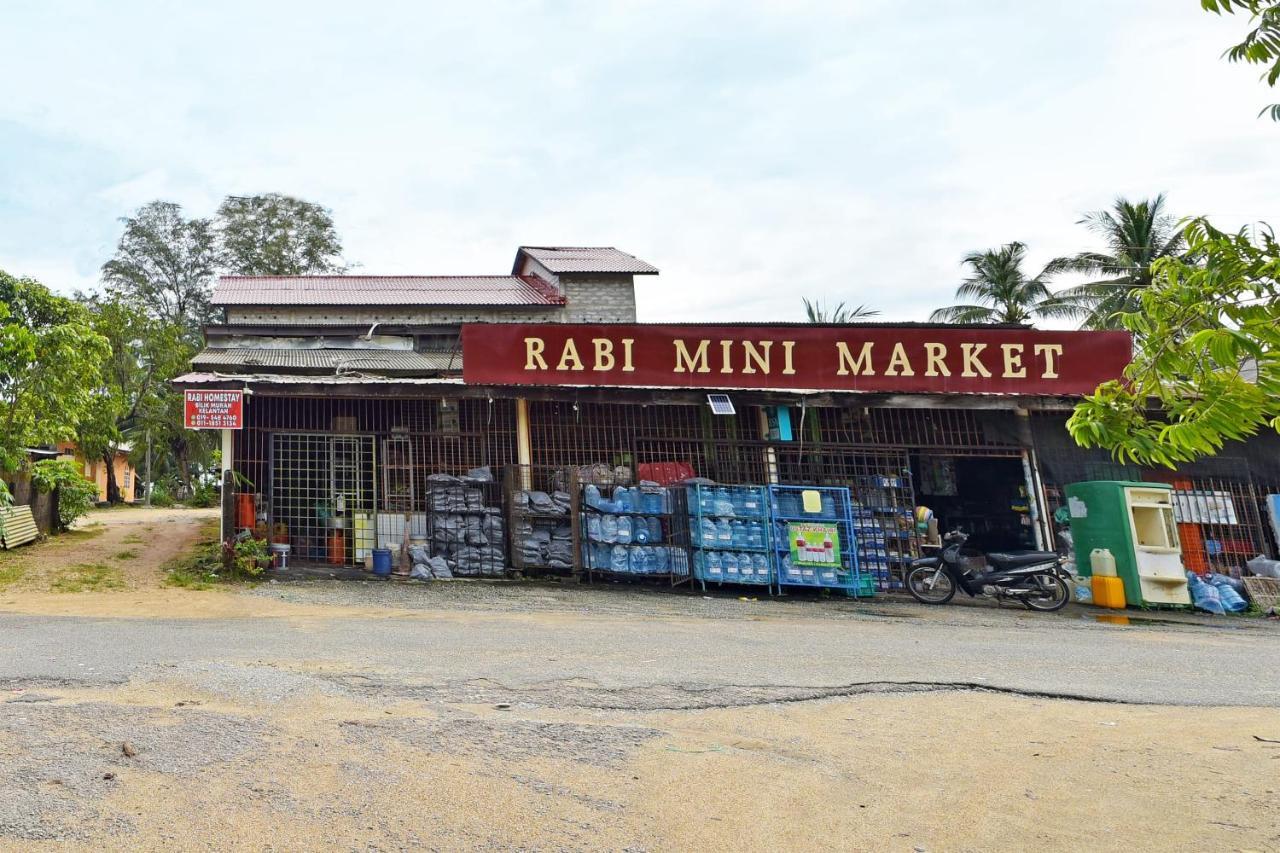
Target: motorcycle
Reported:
[(1036, 579)]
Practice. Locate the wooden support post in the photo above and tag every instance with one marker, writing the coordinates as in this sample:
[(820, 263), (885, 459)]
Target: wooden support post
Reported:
[(524, 443)]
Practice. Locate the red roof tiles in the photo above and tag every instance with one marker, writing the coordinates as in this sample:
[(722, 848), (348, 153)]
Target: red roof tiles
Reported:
[(418, 290)]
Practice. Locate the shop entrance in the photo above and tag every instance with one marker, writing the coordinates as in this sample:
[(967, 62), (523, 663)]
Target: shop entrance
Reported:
[(985, 496), (322, 495)]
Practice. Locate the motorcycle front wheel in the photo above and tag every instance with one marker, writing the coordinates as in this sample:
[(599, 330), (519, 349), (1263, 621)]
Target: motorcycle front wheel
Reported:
[(1052, 594), (930, 585)]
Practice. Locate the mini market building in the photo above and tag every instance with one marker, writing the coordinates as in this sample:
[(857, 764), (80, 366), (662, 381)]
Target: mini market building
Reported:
[(359, 389)]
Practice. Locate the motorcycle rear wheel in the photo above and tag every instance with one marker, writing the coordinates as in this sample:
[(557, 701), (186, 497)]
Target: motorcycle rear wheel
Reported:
[(1054, 598), (930, 585)]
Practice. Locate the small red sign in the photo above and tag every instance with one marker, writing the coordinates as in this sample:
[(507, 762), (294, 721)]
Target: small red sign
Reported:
[(214, 410)]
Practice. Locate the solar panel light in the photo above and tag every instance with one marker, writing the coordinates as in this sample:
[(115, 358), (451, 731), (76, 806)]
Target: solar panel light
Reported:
[(720, 404)]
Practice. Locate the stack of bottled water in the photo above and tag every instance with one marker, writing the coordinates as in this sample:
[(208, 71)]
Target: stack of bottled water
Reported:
[(624, 532), (727, 528)]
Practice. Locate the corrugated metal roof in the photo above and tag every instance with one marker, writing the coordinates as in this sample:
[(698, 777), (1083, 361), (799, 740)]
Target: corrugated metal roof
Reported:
[(571, 259), (421, 290), (348, 360), (241, 379)]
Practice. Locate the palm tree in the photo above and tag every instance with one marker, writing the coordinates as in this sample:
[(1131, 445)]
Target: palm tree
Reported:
[(818, 312), (998, 291), (1136, 236)]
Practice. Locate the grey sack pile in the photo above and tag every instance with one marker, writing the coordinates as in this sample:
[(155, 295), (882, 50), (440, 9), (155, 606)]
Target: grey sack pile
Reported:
[(468, 535)]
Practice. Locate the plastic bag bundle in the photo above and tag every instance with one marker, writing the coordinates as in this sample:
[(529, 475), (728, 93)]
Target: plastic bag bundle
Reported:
[(439, 568), (1263, 567), (1232, 602), (1204, 596)]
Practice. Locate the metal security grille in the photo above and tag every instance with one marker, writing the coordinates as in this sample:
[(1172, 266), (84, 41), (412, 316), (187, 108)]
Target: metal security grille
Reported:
[(452, 435), (1218, 501), (322, 495), (961, 432)]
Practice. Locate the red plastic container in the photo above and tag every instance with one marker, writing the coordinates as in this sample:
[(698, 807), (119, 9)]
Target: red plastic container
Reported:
[(245, 509)]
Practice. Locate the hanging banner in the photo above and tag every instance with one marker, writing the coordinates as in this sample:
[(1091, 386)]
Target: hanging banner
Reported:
[(214, 409), (813, 544), (897, 359)]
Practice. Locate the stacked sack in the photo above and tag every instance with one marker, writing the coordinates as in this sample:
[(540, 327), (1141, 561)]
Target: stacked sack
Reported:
[(545, 543), (465, 533)]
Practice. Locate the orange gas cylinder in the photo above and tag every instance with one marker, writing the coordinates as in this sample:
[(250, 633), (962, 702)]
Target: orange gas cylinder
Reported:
[(338, 548), (245, 510), (1108, 591)]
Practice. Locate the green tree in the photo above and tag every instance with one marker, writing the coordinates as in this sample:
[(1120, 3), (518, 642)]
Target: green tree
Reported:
[(76, 495), (49, 367), (819, 312), (164, 265), (276, 234), (1207, 353), (1136, 236), (146, 353), (1261, 46), (998, 291)]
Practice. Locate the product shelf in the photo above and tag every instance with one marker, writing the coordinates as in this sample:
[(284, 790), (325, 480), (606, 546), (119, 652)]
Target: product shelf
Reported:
[(598, 549), (841, 543), (725, 563)]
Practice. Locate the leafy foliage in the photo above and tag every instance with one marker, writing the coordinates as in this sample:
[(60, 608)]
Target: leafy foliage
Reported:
[(819, 312), (277, 234), (1261, 46), (1208, 353), (1000, 292), (161, 496), (164, 266), (248, 557), (76, 495), (49, 357), (203, 495), (135, 397), (1136, 235)]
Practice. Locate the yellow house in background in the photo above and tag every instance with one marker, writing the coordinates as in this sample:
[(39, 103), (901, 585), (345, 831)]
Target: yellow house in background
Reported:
[(95, 470)]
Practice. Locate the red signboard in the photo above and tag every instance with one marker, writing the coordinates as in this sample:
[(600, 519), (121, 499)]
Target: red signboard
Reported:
[(902, 359), (214, 410)]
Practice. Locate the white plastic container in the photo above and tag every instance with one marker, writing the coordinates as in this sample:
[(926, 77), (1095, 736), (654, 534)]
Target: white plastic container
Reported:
[(1102, 562)]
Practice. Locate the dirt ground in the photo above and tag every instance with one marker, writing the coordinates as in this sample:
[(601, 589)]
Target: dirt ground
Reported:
[(936, 771), (295, 722), (129, 543)]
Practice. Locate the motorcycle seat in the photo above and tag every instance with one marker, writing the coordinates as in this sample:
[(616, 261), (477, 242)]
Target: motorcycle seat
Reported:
[(1014, 559)]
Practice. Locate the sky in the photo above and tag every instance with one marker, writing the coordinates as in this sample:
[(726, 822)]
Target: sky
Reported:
[(755, 151)]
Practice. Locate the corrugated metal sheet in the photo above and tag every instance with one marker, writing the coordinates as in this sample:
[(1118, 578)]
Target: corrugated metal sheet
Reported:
[(18, 525), (353, 360), (571, 259), (418, 290), (238, 380)]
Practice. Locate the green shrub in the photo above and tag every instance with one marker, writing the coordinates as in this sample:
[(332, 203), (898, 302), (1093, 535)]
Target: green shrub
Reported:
[(250, 557), (76, 495), (204, 495), (161, 497)]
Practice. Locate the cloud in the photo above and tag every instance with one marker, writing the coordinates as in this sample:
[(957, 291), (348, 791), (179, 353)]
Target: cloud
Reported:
[(755, 151)]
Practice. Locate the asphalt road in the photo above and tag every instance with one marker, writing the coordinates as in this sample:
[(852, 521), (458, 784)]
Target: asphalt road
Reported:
[(617, 648)]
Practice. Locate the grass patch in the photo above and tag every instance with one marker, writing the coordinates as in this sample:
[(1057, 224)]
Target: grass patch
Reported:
[(133, 539), (11, 571), (80, 534), (126, 554), (201, 567), (88, 577)]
